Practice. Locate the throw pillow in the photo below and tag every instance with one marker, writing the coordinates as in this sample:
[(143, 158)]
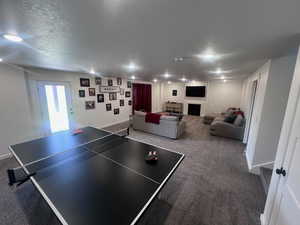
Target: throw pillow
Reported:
[(230, 119)]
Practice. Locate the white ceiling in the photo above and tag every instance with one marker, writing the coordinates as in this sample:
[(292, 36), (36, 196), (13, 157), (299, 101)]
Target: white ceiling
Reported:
[(107, 34)]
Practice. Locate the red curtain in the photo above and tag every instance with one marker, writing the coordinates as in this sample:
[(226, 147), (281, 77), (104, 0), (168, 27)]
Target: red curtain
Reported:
[(141, 96)]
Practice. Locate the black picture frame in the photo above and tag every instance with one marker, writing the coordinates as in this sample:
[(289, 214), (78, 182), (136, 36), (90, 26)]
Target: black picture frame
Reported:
[(119, 81), (110, 82), (98, 80), (108, 107), (92, 91), (122, 102), (127, 94), (129, 102), (81, 93), (174, 93), (100, 98), (89, 105), (129, 84), (116, 111), (113, 96), (84, 82)]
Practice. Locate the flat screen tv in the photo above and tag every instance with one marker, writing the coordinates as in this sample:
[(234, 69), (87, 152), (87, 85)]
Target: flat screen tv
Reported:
[(195, 91)]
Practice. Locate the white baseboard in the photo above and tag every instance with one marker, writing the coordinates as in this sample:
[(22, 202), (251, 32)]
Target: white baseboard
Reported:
[(262, 219), (254, 170), (5, 156), (112, 124)]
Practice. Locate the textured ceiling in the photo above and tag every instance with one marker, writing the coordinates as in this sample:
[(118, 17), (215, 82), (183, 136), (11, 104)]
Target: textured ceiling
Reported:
[(107, 34)]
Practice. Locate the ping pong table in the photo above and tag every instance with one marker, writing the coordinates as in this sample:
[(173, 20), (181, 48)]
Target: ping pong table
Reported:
[(94, 177)]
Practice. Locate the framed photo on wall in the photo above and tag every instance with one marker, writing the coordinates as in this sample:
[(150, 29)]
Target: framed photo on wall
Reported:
[(89, 105), (110, 82), (128, 84), (100, 98), (84, 82), (127, 94), (121, 102), (119, 81), (129, 102), (98, 80), (122, 91), (117, 111), (81, 93), (92, 92), (108, 107), (112, 96)]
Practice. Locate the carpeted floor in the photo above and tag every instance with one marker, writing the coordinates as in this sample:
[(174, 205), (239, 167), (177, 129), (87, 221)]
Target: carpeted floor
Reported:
[(211, 187)]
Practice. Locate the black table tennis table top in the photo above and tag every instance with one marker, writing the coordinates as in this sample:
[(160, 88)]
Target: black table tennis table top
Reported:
[(106, 181)]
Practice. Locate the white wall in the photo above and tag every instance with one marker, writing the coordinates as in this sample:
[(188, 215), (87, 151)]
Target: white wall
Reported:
[(274, 79), (219, 95), (20, 118), (223, 95)]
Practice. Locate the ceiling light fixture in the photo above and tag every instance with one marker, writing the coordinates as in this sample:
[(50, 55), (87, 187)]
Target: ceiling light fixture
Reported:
[(222, 77), (13, 37), (183, 79), (169, 82), (224, 81), (219, 71), (155, 80), (132, 66), (132, 77), (166, 75), (1, 60), (92, 71), (178, 59), (208, 56)]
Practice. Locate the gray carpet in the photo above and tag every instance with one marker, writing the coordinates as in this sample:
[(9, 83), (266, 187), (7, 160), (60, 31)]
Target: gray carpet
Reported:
[(211, 187)]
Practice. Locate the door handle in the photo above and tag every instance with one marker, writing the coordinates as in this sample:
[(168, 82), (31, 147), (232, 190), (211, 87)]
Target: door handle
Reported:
[(281, 171)]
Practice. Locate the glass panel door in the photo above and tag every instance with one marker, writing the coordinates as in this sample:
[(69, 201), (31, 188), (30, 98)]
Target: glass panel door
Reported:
[(55, 106)]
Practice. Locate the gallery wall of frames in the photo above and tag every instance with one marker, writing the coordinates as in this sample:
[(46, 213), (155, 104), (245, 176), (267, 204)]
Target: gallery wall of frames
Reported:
[(115, 93)]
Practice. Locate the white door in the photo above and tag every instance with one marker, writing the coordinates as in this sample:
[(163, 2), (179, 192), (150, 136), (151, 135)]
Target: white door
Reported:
[(283, 202), (56, 106)]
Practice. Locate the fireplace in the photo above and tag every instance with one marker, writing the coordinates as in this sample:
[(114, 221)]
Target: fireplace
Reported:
[(194, 109)]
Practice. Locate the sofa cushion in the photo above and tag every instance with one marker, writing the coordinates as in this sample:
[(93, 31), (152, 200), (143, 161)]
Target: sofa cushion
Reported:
[(230, 119), (172, 118), (139, 113), (238, 120)]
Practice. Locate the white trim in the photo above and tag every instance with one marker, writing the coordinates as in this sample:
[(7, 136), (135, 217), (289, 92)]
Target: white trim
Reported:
[(54, 209), (262, 219), (112, 124), (157, 191), (5, 156)]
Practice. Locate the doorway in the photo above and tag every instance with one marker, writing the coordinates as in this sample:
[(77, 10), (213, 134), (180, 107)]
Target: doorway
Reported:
[(252, 102), (56, 106)]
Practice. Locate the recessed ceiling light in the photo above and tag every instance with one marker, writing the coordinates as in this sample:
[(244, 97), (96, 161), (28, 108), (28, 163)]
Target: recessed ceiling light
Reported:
[(208, 56), (92, 71), (219, 71), (13, 37), (169, 82), (155, 80), (1, 60), (132, 77), (222, 77), (183, 79), (166, 75), (224, 81), (132, 67)]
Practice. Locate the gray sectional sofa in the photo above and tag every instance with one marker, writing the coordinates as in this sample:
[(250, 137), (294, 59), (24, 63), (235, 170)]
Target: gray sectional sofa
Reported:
[(169, 126), (233, 130)]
